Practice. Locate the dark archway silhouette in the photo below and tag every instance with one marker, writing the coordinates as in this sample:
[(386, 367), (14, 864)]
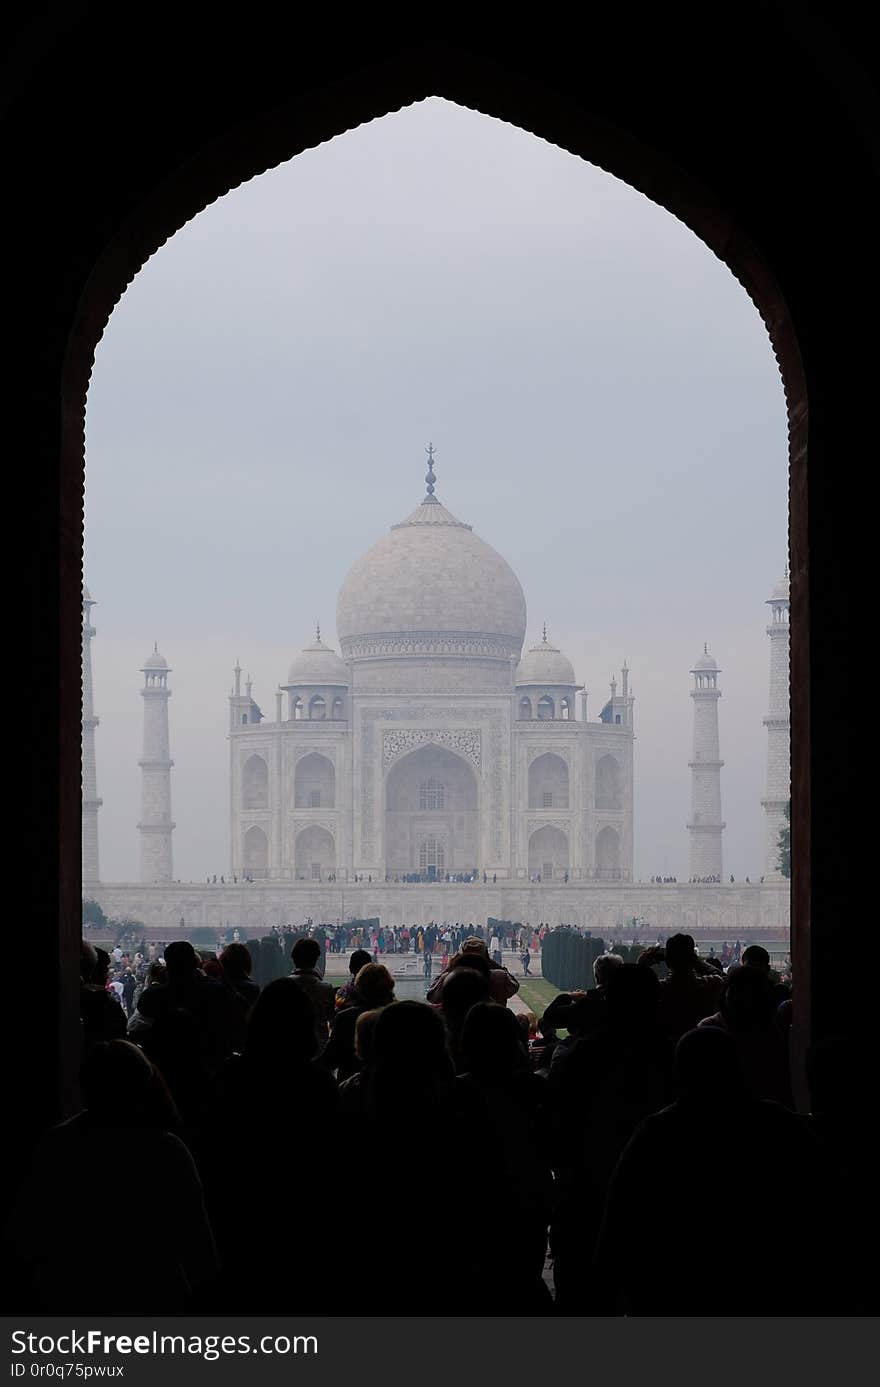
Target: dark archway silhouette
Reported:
[(102, 174)]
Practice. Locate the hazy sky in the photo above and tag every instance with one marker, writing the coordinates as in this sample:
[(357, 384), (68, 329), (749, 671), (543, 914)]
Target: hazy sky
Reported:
[(605, 407)]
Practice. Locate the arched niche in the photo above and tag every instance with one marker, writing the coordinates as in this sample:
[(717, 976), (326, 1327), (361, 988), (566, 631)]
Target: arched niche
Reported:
[(525, 709), (546, 708), (314, 853), (548, 853), (431, 792), (255, 783), (548, 782), (317, 708), (608, 854), (255, 852), (314, 782)]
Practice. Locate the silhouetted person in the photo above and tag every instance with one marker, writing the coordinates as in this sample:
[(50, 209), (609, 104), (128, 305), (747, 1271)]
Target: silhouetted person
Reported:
[(101, 1016), (236, 963), (651, 1266), (506, 1112), (274, 1115), (410, 1120), (748, 1014), (305, 954), (216, 1017), (475, 954), (463, 989), (690, 991), (374, 988), (605, 1084), (125, 1133), (359, 959)]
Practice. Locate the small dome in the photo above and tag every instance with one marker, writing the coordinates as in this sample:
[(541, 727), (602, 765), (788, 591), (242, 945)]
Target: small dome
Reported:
[(706, 662), (317, 664), (155, 660), (780, 592), (545, 664)]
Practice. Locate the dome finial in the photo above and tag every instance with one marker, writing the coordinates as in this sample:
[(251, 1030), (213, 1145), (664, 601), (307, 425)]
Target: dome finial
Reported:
[(705, 647), (544, 637), (429, 476), (318, 632)]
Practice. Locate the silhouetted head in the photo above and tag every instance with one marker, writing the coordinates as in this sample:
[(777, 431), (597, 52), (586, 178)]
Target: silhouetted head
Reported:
[(747, 999), (102, 967), (359, 959), (756, 957), (305, 953), (364, 1031), (707, 1067), (409, 1038), (88, 961), (374, 985), (492, 1043), (157, 973), (603, 967), (681, 952), (281, 1025), (631, 995), (236, 962), (122, 1088), (462, 989), (181, 959)]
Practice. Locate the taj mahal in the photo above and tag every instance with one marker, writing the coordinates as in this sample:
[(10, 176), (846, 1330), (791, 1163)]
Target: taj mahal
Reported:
[(438, 768)]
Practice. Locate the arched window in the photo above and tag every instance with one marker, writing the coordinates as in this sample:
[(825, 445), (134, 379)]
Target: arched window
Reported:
[(317, 708), (431, 856), (297, 709), (546, 708), (565, 709), (337, 708), (525, 708), (431, 794), (255, 784)]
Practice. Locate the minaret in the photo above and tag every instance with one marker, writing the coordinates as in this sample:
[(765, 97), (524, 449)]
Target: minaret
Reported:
[(90, 802), (706, 825), (155, 826), (778, 725)]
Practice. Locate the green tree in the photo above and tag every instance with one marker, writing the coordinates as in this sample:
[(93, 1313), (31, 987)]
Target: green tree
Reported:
[(93, 915), (785, 843)]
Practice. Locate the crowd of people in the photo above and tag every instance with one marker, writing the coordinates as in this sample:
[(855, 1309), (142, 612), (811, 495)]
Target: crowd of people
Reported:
[(432, 938), (332, 1149)]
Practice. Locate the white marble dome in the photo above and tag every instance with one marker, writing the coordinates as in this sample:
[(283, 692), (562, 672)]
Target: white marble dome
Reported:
[(431, 586), (705, 663), (780, 592), (317, 664), (155, 660), (545, 664)]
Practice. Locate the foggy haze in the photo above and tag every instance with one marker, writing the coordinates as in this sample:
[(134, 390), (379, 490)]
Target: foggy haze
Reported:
[(602, 396)]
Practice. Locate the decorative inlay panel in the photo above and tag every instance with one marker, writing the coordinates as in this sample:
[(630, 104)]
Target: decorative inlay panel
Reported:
[(465, 741)]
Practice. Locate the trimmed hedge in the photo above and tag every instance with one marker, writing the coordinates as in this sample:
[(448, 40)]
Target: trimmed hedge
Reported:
[(567, 959)]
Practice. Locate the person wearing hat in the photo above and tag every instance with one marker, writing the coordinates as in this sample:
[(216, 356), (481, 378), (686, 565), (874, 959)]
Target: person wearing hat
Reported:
[(474, 954)]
